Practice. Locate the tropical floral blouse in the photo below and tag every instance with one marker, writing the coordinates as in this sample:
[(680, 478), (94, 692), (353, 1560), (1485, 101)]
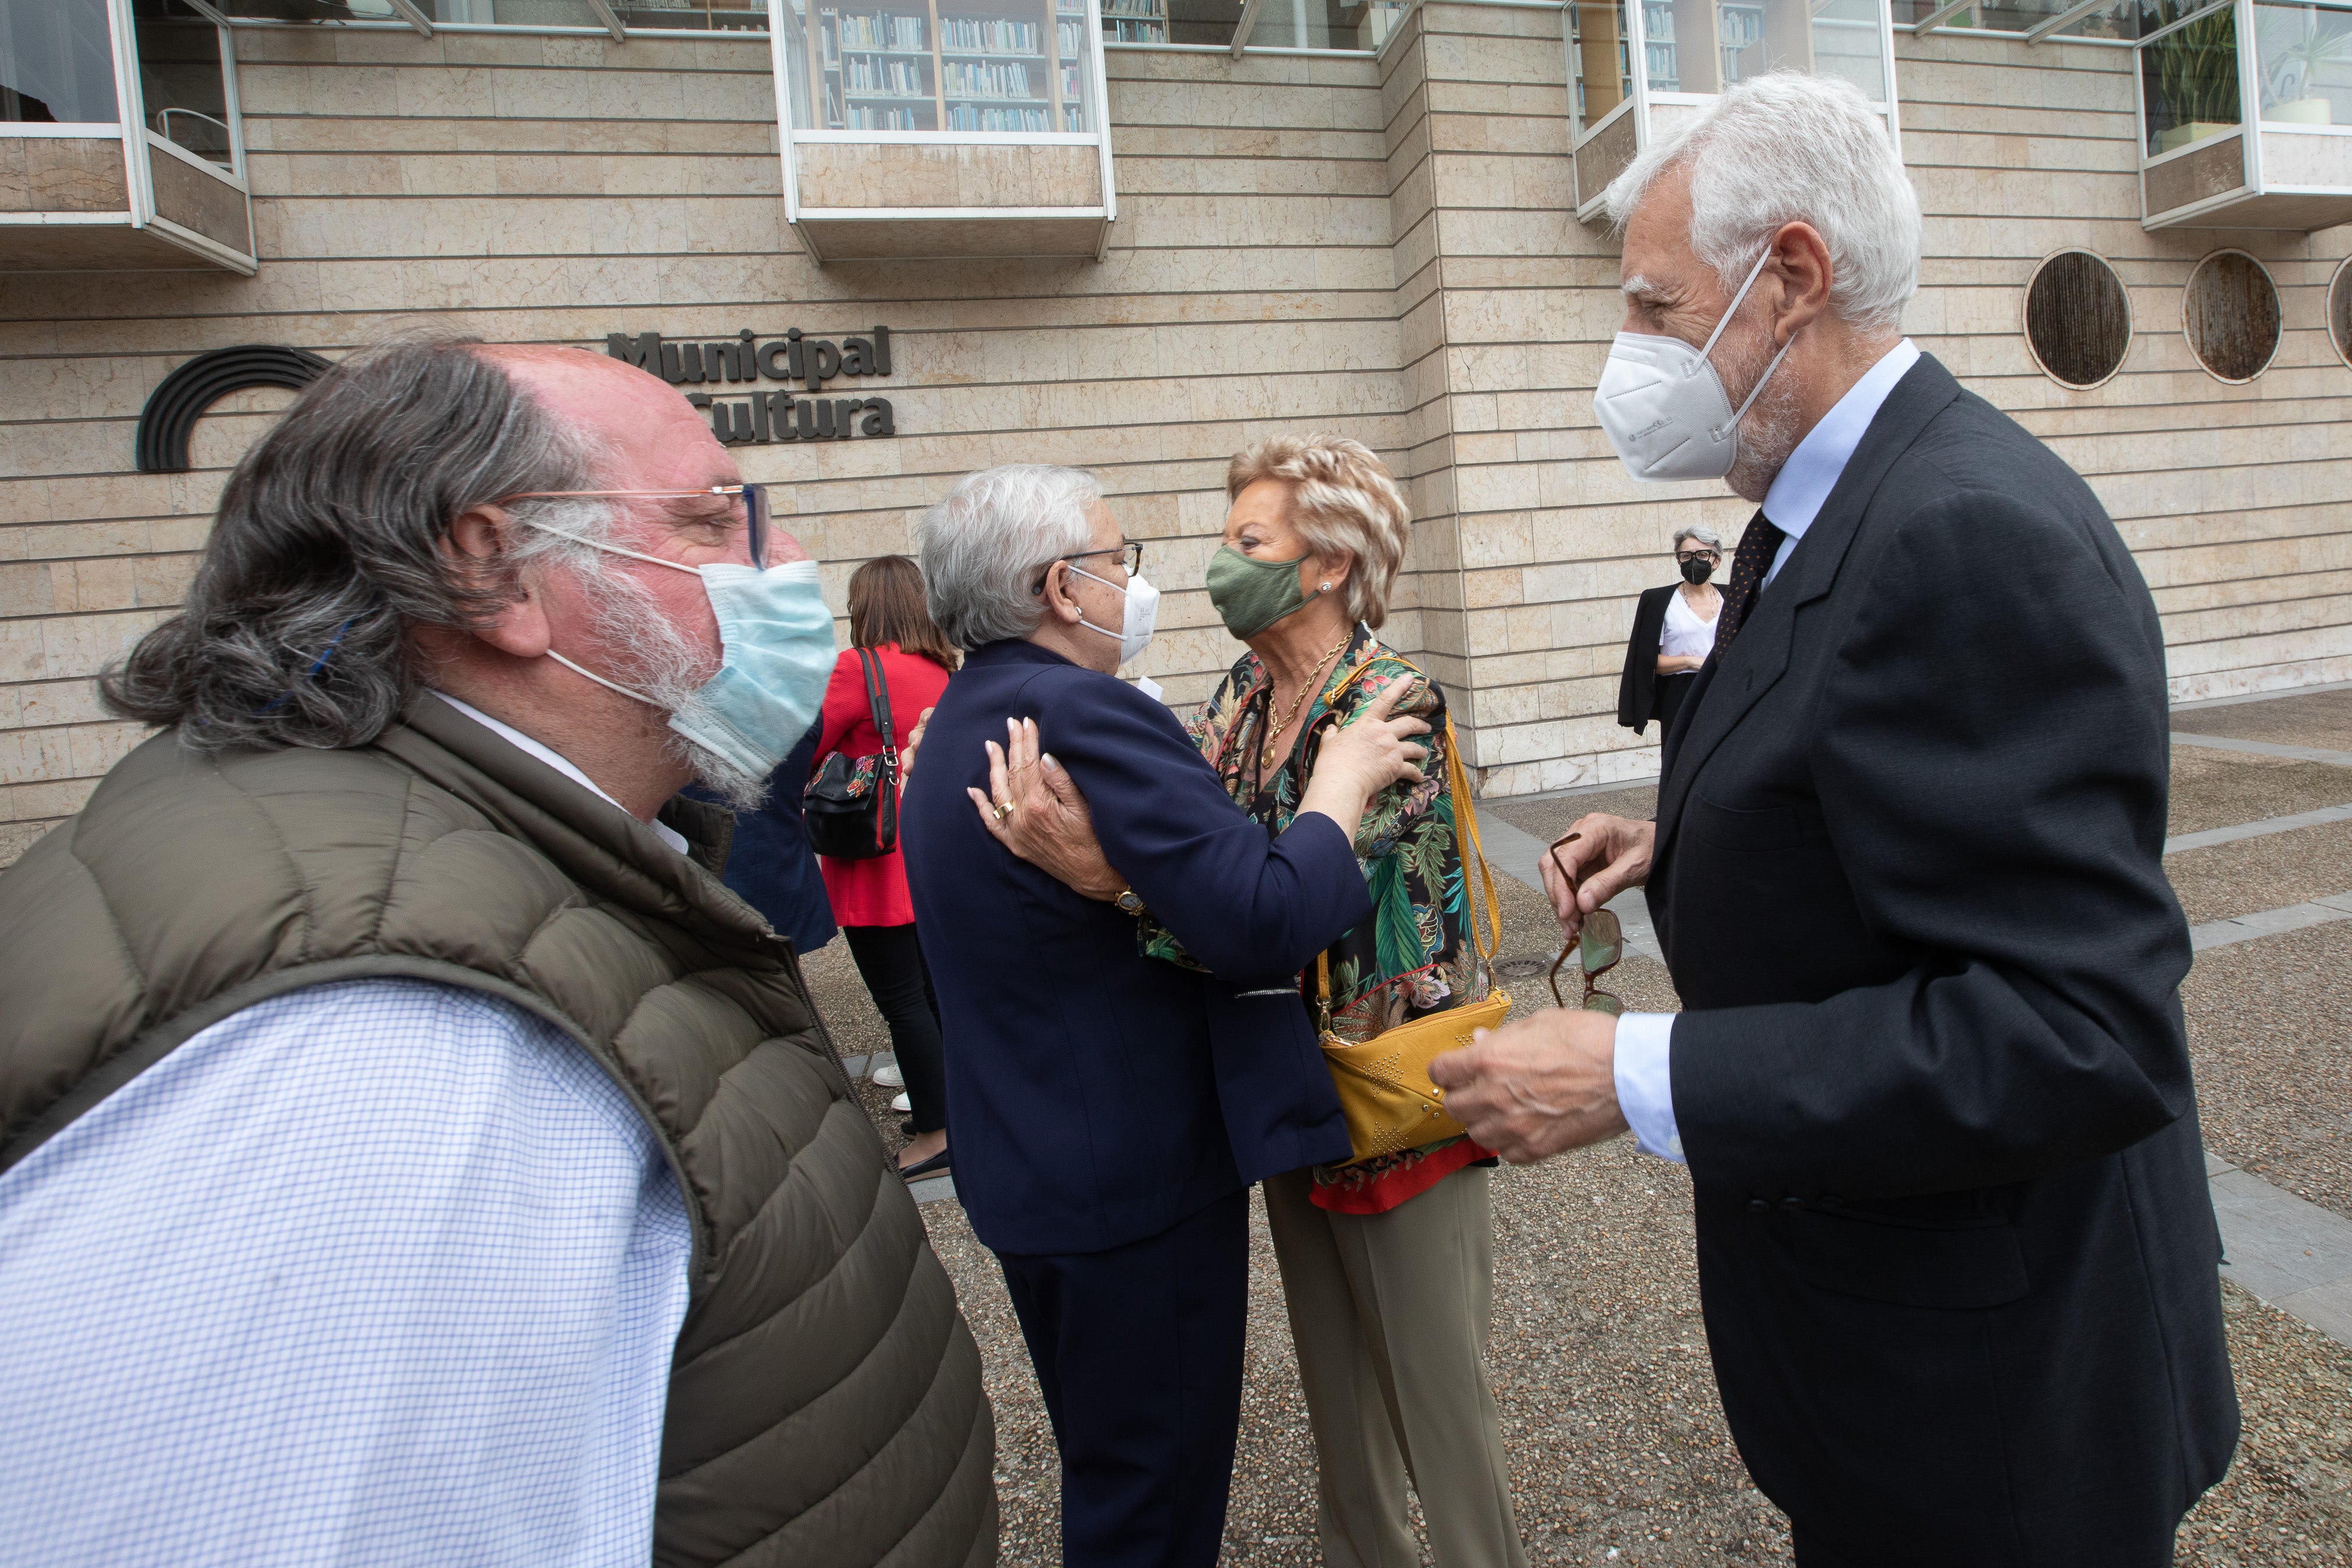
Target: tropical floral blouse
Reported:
[(1411, 958)]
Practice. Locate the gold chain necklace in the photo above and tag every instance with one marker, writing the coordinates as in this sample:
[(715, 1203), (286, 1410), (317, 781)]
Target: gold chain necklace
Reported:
[(1314, 683)]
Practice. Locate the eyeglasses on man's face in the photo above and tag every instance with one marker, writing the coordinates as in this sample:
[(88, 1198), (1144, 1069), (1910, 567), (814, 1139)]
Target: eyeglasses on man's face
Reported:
[(1133, 550), (1691, 555), (1599, 947), (747, 503)]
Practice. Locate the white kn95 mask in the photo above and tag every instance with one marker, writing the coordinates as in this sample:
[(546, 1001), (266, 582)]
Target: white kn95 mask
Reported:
[(1664, 407)]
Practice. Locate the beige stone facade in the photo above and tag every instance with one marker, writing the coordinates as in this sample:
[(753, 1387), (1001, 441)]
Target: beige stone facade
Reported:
[(1382, 246)]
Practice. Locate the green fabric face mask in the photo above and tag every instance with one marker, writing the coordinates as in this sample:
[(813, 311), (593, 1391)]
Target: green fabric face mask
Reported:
[(1252, 594)]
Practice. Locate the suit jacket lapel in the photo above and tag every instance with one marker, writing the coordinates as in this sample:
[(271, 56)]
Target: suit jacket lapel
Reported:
[(1734, 678)]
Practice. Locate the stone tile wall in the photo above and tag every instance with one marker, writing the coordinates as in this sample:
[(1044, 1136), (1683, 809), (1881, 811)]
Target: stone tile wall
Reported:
[(1385, 248)]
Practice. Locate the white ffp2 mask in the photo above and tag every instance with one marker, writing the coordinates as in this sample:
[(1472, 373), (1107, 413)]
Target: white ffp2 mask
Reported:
[(1135, 624), (1664, 407)]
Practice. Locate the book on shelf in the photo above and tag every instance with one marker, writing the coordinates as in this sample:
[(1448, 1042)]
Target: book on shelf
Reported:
[(1070, 93), (988, 35), (966, 79), (1070, 39), (880, 30), (977, 117), (1127, 30), (878, 74)]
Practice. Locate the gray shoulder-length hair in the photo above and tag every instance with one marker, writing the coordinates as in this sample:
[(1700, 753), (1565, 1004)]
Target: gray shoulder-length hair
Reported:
[(983, 548), (1704, 536), (326, 549)]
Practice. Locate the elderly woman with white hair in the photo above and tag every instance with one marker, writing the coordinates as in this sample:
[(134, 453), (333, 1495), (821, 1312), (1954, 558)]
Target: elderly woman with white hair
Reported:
[(1674, 632), (1387, 1259), (1111, 1107)]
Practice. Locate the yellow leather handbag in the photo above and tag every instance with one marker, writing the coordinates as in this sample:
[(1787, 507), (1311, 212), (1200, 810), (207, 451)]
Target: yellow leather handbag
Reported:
[(1383, 1083)]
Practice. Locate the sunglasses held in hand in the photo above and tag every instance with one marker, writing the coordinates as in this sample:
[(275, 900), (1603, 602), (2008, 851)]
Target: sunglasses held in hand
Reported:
[(1599, 944)]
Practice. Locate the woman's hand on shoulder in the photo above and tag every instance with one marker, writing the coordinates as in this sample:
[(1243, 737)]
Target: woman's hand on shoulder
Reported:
[(1372, 748), (1034, 809)]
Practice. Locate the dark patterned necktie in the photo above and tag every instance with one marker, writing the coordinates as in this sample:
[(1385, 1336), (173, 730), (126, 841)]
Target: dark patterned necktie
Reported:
[(1758, 546)]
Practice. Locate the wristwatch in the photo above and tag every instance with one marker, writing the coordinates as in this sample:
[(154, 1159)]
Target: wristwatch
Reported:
[(1129, 901)]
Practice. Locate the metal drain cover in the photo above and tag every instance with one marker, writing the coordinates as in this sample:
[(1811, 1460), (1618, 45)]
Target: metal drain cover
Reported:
[(1521, 969)]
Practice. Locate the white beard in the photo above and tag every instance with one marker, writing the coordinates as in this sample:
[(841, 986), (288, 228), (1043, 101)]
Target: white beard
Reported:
[(655, 658)]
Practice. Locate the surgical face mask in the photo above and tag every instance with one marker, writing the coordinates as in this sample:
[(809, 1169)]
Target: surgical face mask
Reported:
[(1134, 632), (1664, 408), (1251, 594), (777, 653)]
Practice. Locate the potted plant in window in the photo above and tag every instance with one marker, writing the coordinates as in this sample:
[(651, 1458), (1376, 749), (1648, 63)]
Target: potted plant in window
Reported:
[(2291, 47), (2193, 73)]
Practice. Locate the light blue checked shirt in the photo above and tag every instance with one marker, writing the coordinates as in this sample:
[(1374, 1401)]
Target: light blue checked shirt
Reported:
[(378, 1274)]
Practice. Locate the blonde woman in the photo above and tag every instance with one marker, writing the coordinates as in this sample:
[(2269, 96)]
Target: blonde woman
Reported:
[(1387, 1264)]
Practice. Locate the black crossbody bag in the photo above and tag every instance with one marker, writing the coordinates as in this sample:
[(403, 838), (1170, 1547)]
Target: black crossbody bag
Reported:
[(851, 806)]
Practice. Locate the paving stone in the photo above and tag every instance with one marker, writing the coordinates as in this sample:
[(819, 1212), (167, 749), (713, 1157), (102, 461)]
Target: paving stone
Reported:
[(2321, 719), (2223, 788)]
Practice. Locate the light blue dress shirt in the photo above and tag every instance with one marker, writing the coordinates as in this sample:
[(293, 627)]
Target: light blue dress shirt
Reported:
[(1645, 1088)]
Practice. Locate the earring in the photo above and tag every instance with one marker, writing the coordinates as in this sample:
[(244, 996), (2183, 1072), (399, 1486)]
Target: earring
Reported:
[(1322, 587)]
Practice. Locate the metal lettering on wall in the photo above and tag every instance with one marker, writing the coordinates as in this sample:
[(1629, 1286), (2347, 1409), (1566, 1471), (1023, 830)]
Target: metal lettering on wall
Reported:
[(758, 416)]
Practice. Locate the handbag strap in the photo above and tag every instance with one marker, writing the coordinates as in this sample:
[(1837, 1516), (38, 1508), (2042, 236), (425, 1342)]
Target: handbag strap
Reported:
[(877, 699), (1465, 817)]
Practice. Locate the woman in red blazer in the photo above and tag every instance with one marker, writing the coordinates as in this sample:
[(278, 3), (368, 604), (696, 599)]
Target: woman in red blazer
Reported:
[(869, 896)]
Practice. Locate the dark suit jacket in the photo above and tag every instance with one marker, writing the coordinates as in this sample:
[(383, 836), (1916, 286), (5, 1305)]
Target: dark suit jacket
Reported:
[(1637, 688), (1095, 1096), (770, 865), (1955, 1243)]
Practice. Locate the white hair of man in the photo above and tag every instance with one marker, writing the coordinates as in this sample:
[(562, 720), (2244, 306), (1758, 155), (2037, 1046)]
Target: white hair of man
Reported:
[(983, 548), (1707, 537), (1790, 148)]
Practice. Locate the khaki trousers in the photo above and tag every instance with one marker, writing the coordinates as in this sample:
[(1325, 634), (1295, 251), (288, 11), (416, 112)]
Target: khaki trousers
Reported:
[(1390, 1315)]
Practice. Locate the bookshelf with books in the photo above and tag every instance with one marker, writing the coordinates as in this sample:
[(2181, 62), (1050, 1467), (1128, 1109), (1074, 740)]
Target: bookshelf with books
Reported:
[(1135, 21), (873, 70), (914, 122)]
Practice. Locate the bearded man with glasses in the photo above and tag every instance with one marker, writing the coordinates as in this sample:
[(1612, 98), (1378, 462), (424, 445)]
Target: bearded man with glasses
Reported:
[(412, 1152)]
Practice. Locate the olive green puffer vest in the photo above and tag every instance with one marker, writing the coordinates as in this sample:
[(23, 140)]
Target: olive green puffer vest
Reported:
[(825, 1403)]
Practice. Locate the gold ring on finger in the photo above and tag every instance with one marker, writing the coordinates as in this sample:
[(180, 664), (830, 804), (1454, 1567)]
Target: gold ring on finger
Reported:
[(1001, 809)]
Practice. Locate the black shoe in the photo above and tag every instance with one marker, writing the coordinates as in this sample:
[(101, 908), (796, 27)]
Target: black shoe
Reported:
[(936, 1166), (906, 1127)]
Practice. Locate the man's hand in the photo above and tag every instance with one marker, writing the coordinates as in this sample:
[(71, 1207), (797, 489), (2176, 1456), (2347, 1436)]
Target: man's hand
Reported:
[(1048, 823), (1605, 855), (1533, 1088)]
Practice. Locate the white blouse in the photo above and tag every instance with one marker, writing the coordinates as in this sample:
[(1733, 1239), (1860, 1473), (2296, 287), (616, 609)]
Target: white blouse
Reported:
[(1686, 634)]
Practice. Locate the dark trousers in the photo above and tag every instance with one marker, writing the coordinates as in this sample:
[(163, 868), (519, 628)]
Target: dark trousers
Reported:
[(891, 962), (1672, 689), (1138, 1355)]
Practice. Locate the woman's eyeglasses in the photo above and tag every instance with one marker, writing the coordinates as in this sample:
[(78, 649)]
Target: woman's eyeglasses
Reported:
[(1599, 946), (1131, 554), (1707, 555), (750, 507)]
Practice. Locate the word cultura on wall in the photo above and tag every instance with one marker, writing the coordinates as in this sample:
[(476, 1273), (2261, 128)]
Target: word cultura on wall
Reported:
[(759, 415)]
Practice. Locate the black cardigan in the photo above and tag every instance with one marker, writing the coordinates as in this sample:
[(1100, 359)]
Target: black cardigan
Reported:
[(1637, 689)]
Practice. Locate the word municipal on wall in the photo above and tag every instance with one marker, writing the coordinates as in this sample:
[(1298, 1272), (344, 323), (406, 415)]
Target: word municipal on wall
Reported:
[(759, 415)]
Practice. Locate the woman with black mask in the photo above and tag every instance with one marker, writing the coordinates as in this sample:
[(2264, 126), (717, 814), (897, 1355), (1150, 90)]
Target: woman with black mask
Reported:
[(1674, 632)]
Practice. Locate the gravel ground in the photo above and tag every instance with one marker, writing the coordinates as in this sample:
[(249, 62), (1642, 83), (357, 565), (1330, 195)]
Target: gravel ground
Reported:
[(2269, 1024), (2315, 718), (2269, 873), (2223, 788), (1547, 819)]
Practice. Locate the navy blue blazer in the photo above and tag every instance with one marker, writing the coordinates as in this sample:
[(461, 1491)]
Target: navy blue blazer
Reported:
[(1095, 1096)]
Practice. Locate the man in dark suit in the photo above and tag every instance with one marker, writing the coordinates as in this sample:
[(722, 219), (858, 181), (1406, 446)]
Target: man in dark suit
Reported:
[(1955, 1246), (1111, 1108)]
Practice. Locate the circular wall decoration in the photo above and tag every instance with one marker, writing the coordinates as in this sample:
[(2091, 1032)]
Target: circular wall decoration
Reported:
[(181, 397), (2230, 314), (2339, 310), (2077, 318)]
